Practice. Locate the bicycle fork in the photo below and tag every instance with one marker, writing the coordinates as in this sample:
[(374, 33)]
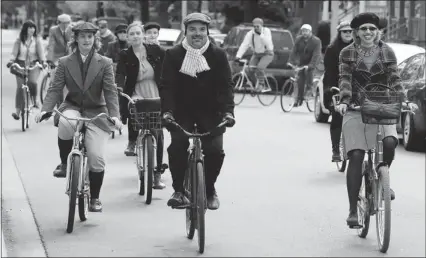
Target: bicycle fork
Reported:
[(141, 147), (82, 175)]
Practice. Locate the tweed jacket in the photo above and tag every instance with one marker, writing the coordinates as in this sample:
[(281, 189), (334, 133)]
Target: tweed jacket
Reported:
[(97, 94), (354, 74), (57, 46)]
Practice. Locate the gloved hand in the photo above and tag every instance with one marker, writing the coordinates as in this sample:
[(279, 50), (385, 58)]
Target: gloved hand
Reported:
[(9, 64), (117, 122), (39, 116), (342, 108), (413, 107), (230, 120)]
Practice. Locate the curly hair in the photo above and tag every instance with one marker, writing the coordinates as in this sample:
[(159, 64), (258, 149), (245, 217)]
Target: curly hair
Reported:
[(73, 44), (24, 30)]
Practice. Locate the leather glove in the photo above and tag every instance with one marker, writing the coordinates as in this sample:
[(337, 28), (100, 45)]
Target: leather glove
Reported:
[(230, 120), (9, 64)]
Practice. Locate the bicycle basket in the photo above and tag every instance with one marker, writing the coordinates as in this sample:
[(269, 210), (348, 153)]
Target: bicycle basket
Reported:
[(381, 105), (146, 114)]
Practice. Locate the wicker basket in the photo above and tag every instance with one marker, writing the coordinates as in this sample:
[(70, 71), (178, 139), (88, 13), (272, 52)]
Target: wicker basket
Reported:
[(382, 106), (146, 114)]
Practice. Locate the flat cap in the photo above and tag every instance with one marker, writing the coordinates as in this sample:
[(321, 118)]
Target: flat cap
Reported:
[(196, 17), (364, 18), (151, 25), (257, 21), (64, 18), (306, 26), (122, 27), (86, 27), (343, 24)]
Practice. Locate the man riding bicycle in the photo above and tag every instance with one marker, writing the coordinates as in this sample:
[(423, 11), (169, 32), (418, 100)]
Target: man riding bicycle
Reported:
[(307, 49), (259, 39), (196, 87)]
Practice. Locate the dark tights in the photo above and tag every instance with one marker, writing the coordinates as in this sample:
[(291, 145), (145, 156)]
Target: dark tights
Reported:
[(354, 177)]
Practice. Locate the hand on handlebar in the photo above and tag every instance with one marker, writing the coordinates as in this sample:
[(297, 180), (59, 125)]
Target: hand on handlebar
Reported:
[(117, 123), (9, 64), (342, 109), (412, 106), (43, 115), (230, 120)]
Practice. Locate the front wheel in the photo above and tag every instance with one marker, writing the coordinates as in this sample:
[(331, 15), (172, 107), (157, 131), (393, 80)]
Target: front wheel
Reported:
[(201, 207), (269, 92), (364, 203), (148, 162), (288, 93), (190, 187), (45, 84), (341, 165), (73, 184), (240, 86), (383, 215)]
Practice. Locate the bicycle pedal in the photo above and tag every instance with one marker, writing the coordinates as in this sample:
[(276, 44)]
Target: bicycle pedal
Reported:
[(355, 227), (181, 207)]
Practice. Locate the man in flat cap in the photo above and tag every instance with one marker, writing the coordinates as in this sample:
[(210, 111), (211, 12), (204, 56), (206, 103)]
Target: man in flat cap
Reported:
[(105, 34), (57, 47), (120, 43), (259, 39), (306, 52), (196, 87)]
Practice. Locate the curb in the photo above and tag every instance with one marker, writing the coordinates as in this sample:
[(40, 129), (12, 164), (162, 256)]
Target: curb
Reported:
[(19, 229)]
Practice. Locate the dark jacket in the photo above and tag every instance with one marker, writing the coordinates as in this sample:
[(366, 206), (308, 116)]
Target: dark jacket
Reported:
[(128, 70), (210, 94), (308, 52), (114, 50), (96, 94), (354, 74), (105, 40), (331, 63)]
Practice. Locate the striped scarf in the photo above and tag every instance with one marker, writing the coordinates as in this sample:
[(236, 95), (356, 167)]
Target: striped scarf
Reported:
[(194, 61)]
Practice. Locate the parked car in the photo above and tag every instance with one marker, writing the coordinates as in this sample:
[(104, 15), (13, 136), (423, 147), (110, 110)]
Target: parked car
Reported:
[(283, 44), (167, 37), (402, 52), (413, 126), (218, 38)]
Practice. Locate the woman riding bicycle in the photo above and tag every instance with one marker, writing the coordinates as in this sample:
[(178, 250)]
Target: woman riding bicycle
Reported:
[(138, 74), (27, 50), (367, 60), (331, 78), (89, 79)]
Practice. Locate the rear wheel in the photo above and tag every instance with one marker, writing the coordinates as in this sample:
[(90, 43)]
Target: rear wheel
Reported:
[(83, 200), (341, 165), (240, 87), (383, 215), (73, 184), (190, 194), (363, 204), (201, 207), (24, 106), (269, 93), (287, 95), (310, 102), (320, 116)]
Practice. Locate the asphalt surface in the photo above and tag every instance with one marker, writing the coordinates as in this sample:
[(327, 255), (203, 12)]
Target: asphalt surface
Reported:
[(280, 195)]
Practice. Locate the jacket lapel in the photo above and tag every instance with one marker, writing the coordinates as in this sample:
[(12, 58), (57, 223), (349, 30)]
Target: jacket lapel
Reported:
[(93, 71), (74, 69)]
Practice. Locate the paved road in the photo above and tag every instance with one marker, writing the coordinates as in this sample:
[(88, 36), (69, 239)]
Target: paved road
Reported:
[(280, 195)]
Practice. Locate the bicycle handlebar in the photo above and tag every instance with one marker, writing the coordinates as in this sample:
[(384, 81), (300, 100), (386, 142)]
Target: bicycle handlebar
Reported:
[(197, 135), (37, 64), (89, 120)]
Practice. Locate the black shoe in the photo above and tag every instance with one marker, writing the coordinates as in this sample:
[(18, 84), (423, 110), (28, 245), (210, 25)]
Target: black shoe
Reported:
[(177, 199), (95, 205), (392, 194), (352, 220), (213, 202), (130, 150), (60, 171), (336, 156), (15, 116)]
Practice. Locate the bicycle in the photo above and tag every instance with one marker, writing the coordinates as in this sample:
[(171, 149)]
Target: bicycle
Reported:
[(25, 108), (341, 165), (243, 84), (374, 195), (195, 186), (46, 82), (78, 186), (145, 122), (290, 90)]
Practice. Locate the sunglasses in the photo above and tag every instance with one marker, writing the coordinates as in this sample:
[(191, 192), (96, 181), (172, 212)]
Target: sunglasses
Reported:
[(346, 31), (368, 28)]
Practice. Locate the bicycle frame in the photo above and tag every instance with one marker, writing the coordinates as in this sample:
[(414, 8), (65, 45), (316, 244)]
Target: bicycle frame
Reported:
[(246, 77), (143, 134)]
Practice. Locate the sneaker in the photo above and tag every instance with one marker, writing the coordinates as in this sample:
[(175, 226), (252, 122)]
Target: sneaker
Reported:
[(95, 205)]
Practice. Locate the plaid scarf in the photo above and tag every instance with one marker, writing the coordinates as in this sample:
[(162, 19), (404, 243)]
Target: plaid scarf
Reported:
[(194, 61)]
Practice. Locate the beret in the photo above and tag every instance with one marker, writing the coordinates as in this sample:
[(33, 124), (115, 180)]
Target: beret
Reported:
[(151, 25), (121, 27)]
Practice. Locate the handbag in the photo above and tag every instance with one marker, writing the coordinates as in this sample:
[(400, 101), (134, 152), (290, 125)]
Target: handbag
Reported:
[(16, 71)]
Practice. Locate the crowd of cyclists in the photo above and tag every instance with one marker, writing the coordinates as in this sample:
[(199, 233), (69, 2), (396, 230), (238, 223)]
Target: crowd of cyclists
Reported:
[(193, 81)]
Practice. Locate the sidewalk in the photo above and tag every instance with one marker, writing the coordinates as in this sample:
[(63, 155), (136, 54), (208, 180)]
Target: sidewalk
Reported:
[(19, 230)]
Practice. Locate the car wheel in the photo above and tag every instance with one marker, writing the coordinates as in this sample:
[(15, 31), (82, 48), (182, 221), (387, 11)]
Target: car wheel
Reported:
[(320, 116), (412, 140)]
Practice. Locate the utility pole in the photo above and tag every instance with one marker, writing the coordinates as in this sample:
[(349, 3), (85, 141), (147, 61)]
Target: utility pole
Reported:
[(334, 18), (184, 12)]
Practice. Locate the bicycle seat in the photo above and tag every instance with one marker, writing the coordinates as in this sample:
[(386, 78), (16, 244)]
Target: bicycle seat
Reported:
[(334, 90)]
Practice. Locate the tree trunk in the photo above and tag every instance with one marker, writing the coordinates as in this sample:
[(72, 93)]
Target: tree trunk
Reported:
[(200, 2), (310, 13), (252, 10), (163, 15), (144, 5)]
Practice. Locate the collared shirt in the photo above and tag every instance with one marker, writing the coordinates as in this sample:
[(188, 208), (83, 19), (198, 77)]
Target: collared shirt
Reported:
[(262, 42), (84, 57)]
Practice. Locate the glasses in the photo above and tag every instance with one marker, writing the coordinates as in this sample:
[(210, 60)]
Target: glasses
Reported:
[(346, 31), (368, 28)]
